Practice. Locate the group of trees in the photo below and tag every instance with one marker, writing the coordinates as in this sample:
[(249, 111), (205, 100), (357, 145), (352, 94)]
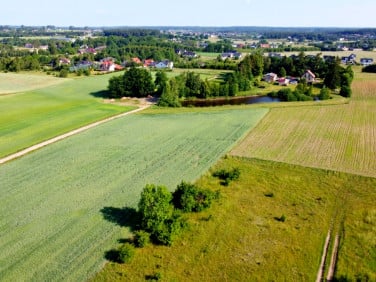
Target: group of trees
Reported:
[(160, 210)]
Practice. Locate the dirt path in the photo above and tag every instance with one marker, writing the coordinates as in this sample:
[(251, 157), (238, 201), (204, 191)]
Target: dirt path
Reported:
[(65, 135)]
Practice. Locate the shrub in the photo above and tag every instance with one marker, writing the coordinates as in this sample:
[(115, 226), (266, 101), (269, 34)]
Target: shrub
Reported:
[(126, 252), (190, 198), (141, 238), (63, 73), (345, 91), (227, 176)]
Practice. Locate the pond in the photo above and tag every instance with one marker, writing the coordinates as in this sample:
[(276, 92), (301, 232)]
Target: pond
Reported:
[(229, 101)]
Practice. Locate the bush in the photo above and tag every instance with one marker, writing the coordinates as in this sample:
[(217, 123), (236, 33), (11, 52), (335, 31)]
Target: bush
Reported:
[(227, 176), (126, 252), (190, 198), (63, 73), (141, 238), (345, 91)]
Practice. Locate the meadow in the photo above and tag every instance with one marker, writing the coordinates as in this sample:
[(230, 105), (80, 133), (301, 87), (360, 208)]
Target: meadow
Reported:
[(337, 137), (28, 118), (58, 204), (242, 239), (15, 82)]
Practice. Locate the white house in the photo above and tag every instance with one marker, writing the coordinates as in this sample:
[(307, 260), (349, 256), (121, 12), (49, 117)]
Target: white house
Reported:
[(270, 77), (309, 76), (164, 64), (366, 61)]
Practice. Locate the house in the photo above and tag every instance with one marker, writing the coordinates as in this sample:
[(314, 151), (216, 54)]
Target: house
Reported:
[(283, 81), (136, 61), (107, 66), (348, 60), (64, 61), (264, 45), (231, 55), (270, 77), (309, 76), (366, 61), (149, 63), (164, 64)]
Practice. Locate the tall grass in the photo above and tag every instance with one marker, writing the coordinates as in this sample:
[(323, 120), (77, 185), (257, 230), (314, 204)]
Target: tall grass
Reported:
[(241, 239)]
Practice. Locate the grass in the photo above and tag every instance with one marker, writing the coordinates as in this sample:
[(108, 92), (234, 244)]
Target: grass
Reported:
[(60, 206), (242, 237), (28, 118), (15, 82), (338, 137)]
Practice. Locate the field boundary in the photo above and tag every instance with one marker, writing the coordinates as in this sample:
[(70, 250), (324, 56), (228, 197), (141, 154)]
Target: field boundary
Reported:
[(66, 135)]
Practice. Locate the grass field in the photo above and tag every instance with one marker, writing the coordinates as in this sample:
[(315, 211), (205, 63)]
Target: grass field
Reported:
[(337, 137), (239, 239), (14, 82), (51, 224), (30, 117)]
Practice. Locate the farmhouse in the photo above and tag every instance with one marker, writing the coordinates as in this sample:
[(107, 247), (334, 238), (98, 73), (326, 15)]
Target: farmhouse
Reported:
[(231, 55), (283, 81), (309, 76), (270, 77), (348, 60), (164, 64), (366, 61)]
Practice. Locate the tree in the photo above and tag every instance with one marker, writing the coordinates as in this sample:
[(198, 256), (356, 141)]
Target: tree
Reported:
[(155, 207), (324, 93), (282, 72), (190, 198), (332, 78), (138, 82), (160, 81), (116, 87), (169, 98)]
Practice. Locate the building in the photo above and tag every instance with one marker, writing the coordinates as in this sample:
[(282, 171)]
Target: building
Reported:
[(309, 76), (366, 61)]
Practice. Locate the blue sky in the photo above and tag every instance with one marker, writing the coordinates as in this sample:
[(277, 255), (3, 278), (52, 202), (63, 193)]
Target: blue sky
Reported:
[(287, 13)]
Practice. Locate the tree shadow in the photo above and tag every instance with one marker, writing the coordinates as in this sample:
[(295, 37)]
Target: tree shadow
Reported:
[(112, 255), (124, 217), (100, 94)]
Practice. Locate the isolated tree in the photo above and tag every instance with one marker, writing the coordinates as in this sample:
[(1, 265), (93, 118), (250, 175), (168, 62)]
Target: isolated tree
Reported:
[(155, 206)]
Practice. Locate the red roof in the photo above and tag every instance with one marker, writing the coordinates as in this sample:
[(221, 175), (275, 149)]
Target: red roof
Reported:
[(136, 60)]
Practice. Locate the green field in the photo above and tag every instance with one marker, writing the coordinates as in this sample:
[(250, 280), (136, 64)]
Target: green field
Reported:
[(30, 117), (14, 82), (51, 224), (239, 238), (336, 137)]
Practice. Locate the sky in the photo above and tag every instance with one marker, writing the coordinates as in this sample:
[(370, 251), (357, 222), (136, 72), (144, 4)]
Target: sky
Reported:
[(271, 13)]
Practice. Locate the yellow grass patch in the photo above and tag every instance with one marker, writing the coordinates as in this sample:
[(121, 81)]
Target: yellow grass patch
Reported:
[(338, 137)]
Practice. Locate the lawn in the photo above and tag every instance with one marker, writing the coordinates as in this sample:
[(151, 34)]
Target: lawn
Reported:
[(54, 202), (14, 82), (337, 137), (240, 238), (28, 118)]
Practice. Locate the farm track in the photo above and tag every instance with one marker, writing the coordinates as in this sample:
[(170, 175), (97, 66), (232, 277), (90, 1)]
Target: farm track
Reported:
[(66, 135)]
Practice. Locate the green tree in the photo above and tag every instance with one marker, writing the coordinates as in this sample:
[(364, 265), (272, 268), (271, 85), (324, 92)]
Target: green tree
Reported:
[(116, 87), (324, 93), (169, 98), (160, 81), (332, 78), (282, 72), (126, 252), (138, 82)]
